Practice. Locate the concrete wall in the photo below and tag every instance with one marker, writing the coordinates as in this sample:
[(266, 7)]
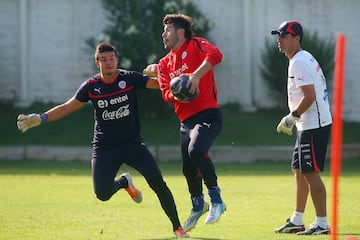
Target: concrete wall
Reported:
[(45, 58), (9, 49), (43, 49), (223, 154), (242, 27)]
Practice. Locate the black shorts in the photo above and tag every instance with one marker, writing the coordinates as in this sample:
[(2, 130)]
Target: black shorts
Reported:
[(310, 149)]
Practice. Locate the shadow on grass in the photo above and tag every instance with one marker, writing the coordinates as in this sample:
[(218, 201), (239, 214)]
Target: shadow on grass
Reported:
[(198, 238), (349, 234)]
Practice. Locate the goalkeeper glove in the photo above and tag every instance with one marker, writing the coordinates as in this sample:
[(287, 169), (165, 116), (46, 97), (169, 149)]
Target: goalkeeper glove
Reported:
[(25, 122), (151, 70), (287, 123)]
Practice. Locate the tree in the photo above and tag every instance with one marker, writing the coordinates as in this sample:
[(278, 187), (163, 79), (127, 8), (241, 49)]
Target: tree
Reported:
[(135, 30), (274, 64)]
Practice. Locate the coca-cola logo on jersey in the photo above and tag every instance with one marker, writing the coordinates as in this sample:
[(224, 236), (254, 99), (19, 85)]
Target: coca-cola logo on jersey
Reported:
[(117, 114)]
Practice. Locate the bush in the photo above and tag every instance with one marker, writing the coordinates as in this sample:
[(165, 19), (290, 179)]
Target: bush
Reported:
[(274, 64), (135, 30)]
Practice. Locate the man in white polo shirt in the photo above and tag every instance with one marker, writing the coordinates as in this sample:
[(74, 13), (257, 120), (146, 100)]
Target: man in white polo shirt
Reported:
[(310, 113)]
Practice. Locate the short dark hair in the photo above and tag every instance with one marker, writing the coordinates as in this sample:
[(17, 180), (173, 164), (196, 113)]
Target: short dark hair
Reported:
[(104, 47), (180, 21)]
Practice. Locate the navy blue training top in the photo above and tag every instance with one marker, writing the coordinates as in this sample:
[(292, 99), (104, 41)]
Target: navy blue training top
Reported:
[(115, 106)]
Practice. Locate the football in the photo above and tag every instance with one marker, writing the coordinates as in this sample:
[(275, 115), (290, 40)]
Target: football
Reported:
[(179, 89)]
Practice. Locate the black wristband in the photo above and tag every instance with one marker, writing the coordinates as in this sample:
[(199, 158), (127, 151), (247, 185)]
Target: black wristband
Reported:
[(295, 114)]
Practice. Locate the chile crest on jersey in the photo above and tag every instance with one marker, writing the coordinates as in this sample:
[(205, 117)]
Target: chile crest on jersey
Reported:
[(184, 54), (122, 84)]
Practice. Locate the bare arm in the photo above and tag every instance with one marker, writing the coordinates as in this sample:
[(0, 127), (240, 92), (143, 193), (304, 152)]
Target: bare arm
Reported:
[(152, 83), (204, 67), (307, 100), (62, 110), (27, 121)]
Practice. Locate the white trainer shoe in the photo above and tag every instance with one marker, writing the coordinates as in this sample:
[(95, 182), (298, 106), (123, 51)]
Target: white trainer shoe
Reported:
[(215, 212), (192, 220)]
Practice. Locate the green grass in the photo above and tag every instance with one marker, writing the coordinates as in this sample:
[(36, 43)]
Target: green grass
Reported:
[(240, 128), (54, 200)]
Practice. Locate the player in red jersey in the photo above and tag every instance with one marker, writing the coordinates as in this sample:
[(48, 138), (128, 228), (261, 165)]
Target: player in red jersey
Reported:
[(200, 119)]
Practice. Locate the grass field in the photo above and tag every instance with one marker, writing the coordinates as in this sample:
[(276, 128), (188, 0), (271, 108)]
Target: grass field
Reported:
[(54, 200)]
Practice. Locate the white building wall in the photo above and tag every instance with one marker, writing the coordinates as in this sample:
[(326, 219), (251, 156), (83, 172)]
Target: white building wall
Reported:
[(249, 22), (61, 60), (9, 49), (58, 59)]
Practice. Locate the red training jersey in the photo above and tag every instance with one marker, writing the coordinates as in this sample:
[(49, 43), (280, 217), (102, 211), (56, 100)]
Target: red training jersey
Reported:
[(187, 59)]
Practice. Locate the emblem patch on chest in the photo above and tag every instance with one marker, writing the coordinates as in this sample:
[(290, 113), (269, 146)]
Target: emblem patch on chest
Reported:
[(122, 84)]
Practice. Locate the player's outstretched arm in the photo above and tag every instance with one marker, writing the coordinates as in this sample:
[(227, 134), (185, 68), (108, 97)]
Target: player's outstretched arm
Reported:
[(152, 83), (27, 121)]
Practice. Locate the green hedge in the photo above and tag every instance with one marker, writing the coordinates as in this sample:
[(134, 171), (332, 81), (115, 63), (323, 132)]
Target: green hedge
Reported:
[(135, 30), (274, 64)]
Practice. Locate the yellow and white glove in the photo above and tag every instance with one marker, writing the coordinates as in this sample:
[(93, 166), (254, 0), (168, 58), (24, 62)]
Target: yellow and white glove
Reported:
[(287, 123), (151, 70), (27, 121)]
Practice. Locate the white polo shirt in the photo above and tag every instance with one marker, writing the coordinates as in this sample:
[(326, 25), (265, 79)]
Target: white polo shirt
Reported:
[(305, 70)]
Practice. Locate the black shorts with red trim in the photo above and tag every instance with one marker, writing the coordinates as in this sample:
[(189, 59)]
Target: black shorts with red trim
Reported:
[(310, 149)]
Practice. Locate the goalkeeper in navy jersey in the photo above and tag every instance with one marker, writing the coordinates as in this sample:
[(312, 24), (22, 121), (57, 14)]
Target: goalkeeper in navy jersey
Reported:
[(117, 139)]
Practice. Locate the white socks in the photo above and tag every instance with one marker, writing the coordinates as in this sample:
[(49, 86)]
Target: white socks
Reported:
[(322, 222), (297, 218)]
